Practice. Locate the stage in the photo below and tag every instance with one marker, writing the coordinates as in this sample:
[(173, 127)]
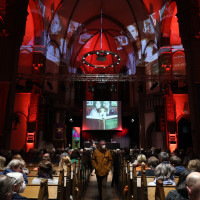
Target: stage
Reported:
[(109, 145)]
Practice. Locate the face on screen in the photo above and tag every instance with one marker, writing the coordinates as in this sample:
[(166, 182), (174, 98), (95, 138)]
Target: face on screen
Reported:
[(101, 115), (55, 27), (133, 31), (98, 104), (106, 104)]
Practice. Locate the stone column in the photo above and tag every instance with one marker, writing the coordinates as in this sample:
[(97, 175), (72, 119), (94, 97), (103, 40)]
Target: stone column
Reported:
[(188, 13), (10, 42)]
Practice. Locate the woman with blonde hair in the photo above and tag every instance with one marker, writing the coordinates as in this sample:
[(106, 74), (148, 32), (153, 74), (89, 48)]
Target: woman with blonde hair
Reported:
[(64, 161), (194, 165)]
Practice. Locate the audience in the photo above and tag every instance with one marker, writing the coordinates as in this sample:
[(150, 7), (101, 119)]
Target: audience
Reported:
[(170, 165), (6, 187)]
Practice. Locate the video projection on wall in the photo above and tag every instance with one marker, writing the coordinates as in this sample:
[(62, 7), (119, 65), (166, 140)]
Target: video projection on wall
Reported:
[(76, 137), (102, 115)]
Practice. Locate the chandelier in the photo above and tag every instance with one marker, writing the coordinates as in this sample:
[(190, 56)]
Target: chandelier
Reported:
[(101, 55)]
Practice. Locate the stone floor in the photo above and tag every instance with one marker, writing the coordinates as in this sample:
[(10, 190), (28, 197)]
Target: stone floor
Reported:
[(92, 191)]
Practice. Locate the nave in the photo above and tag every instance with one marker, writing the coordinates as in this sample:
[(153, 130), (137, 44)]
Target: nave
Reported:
[(92, 191)]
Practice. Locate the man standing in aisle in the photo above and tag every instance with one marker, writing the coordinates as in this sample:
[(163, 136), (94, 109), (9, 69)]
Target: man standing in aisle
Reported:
[(102, 162)]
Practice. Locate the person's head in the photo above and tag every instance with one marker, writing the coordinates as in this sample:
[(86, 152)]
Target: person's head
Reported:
[(45, 170), (175, 161), (46, 157), (17, 156), (193, 185), (75, 154), (153, 162), (194, 164), (133, 30), (7, 187), (19, 185), (98, 104), (16, 165), (55, 25), (102, 144), (2, 162), (163, 156), (181, 185), (148, 27), (106, 104), (141, 158), (64, 161), (164, 171)]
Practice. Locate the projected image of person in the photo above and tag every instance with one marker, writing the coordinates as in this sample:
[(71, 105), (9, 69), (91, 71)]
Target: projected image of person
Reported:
[(95, 111), (149, 49), (109, 110), (56, 25)]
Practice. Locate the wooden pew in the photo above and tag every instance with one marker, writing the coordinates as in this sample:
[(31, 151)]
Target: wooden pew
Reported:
[(60, 193), (35, 172), (41, 191), (68, 183), (144, 193), (134, 177), (159, 192), (33, 191), (30, 178)]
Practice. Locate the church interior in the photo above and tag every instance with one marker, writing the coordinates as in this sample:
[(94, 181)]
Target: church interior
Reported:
[(74, 73)]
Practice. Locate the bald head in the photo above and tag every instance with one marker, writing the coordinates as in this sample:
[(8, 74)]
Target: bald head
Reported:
[(193, 185)]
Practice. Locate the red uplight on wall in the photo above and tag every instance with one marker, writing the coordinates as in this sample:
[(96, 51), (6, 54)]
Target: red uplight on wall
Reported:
[(167, 68), (30, 140)]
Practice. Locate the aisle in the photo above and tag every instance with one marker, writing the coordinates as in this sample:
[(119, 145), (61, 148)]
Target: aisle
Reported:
[(92, 191)]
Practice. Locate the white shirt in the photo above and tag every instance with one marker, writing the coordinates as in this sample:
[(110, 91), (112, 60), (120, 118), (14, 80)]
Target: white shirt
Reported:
[(50, 181)]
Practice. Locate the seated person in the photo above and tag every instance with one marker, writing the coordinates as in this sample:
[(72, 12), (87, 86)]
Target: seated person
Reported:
[(64, 161), (194, 165), (152, 164), (45, 170), (176, 162), (2, 162), (141, 160), (102, 112), (163, 157), (109, 110), (164, 172), (193, 185), (18, 156), (75, 156), (16, 165), (19, 185), (181, 191), (95, 111), (6, 185)]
